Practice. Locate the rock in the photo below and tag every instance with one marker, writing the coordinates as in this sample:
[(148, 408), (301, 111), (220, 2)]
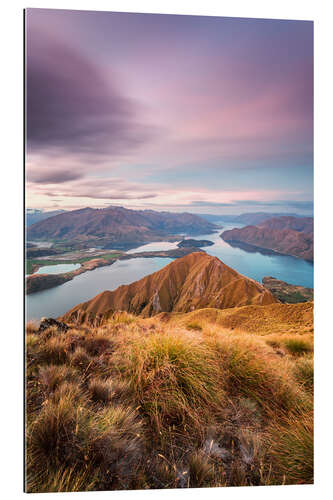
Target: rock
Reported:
[(49, 322)]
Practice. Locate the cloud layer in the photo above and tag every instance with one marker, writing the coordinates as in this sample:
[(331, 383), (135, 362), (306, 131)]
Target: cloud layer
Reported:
[(171, 109)]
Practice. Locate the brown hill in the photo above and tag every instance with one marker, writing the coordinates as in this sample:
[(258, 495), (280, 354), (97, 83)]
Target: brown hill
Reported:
[(285, 235), (118, 226), (301, 224), (192, 282)]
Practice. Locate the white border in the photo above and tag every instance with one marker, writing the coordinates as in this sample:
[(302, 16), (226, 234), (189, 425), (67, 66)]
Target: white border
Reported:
[(12, 239)]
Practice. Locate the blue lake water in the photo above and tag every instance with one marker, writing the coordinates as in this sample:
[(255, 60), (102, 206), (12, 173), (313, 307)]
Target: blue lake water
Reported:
[(56, 301), (58, 269), (255, 264)]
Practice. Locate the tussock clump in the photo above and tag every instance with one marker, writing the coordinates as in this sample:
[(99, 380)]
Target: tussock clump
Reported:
[(58, 434), (99, 344), (121, 391), (64, 479), (201, 470), (122, 318), (303, 371), (290, 445), (298, 346), (116, 438), (80, 358), (54, 350), (250, 371), (101, 390), (175, 378), (52, 376)]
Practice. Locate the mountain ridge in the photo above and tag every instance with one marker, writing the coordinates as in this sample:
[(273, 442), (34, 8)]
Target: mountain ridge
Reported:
[(118, 226), (195, 281)]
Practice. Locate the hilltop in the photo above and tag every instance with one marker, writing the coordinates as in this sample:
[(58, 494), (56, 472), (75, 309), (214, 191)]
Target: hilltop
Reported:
[(195, 281), (285, 235), (118, 227)]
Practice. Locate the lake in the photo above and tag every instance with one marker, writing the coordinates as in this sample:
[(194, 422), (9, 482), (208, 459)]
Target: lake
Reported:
[(255, 264), (58, 269), (56, 301)]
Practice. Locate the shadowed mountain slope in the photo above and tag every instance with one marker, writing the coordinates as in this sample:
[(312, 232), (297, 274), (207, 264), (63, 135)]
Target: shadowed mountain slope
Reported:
[(192, 282)]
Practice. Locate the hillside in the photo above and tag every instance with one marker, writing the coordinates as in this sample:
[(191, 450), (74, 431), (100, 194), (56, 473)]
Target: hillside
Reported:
[(33, 215), (301, 224), (118, 226), (172, 401), (287, 292), (195, 281), (285, 235), (278, 318)]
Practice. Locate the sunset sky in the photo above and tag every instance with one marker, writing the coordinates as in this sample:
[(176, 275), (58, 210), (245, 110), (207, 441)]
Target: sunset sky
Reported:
[(180, 113)]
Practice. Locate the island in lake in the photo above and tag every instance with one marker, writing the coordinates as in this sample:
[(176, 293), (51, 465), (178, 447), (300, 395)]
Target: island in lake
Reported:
[(188, 243)]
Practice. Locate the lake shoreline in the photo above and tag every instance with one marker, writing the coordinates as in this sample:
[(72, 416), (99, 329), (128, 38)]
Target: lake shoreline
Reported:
[(38, 282)]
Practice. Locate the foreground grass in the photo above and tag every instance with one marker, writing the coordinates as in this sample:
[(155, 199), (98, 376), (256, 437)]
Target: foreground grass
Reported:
[(153, 404)]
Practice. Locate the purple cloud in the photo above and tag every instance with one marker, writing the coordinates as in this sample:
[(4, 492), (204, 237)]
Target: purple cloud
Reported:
[(53, 176), (72, 108)]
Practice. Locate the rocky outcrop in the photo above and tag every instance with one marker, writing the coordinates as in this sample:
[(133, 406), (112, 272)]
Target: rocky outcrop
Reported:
[(50, 322)]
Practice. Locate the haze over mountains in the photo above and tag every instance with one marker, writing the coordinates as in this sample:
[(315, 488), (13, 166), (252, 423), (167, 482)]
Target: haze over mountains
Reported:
[(118, 226), (192, 282), (246, 218), (35, 215), (285, 235)]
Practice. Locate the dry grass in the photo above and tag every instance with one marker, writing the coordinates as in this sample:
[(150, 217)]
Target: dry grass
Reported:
[(303, 371), (157, 404), (291, 449)]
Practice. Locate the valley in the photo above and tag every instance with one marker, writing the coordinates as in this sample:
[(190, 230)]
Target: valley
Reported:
[(50, 300)]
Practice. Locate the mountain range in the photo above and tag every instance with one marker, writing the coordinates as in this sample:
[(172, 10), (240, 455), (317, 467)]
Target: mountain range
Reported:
[(34, 215), (246, 218), (286, 235), (118, 227), (195, 281)]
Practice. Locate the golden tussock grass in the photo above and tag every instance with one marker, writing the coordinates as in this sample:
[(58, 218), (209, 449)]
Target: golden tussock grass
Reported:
[(156, 403)]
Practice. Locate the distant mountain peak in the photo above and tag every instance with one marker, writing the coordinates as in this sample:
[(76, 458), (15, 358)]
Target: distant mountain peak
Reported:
[(118, 225)]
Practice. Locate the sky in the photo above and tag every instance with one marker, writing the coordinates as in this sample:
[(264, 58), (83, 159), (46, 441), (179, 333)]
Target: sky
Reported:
[(181, 113)]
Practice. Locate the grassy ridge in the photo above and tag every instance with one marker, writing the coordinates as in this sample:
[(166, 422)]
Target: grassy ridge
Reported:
[(150, 403)]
